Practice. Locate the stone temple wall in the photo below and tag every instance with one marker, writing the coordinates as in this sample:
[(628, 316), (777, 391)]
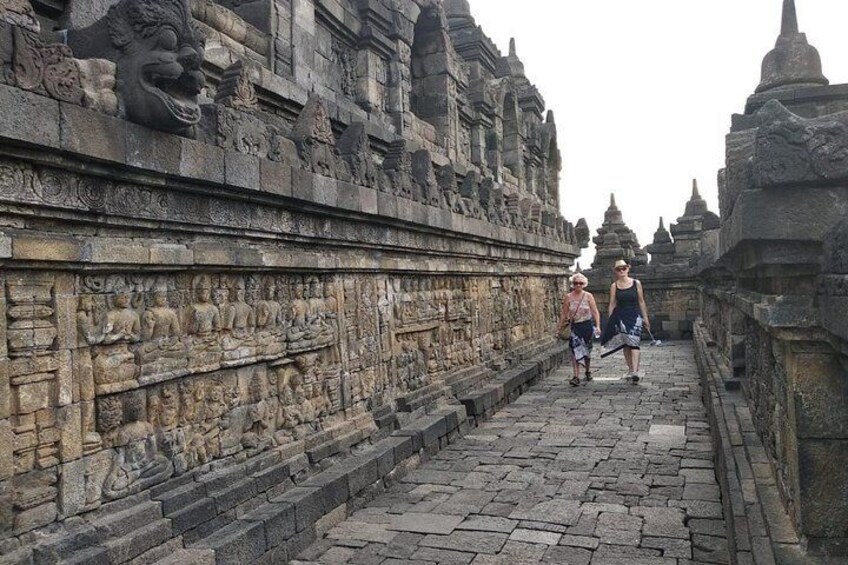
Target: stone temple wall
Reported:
[(768, 282), (236, 229), (671, 278), (773, 297)]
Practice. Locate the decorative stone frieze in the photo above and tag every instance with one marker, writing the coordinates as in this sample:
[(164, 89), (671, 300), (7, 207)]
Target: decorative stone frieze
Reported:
[(213, 257)]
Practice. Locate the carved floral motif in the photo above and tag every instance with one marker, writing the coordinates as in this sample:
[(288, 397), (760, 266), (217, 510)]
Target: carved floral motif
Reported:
[(45, 69)]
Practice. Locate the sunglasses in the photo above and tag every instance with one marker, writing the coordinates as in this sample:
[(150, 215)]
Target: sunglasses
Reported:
[(621, 269), (577, 284)]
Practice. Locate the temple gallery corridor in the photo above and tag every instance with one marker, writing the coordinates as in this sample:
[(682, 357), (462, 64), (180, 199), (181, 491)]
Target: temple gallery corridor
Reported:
[(607, 473)]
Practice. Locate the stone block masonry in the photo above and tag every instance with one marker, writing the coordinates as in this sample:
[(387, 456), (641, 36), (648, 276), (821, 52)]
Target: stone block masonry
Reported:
[(604, 473), (253, 254), (767, 280)]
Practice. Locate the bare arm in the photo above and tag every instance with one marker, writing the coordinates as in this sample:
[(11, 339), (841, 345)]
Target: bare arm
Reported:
[(593, 306), (642, 306), (613, 300)]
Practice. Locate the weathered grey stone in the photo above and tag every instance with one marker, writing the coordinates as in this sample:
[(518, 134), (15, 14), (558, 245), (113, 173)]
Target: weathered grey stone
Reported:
[(93, 135), (425, 523), (146, 98), (308, 505), (279, 520), (477, 542), (793, 61), (36, 119), (240, 542)]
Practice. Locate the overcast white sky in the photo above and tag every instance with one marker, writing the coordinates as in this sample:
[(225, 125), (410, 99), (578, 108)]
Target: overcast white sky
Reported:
[(643, 90)]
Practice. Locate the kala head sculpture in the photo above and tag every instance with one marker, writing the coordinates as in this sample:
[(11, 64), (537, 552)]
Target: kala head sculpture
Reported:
[(158, 53)]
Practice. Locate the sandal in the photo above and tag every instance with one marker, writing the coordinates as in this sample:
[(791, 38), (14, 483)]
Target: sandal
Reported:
[(588, 376), (575, 381), (634, 378)]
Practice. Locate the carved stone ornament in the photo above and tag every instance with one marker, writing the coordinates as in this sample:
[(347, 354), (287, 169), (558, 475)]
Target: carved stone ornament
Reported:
[(19, 13), (313, 136), (791, 149), (236, 90), (158, 53), (46, 69)]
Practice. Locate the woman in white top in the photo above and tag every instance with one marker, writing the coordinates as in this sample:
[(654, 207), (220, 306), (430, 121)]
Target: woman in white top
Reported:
[(579, 310)]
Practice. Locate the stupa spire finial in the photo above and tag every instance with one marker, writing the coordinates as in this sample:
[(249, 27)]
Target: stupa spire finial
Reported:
[(789, 20)]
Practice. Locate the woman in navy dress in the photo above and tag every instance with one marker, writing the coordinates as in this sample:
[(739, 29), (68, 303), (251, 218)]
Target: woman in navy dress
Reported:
[(628, 314)]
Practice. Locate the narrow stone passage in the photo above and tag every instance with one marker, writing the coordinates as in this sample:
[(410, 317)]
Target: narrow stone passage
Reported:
[(604, 474)]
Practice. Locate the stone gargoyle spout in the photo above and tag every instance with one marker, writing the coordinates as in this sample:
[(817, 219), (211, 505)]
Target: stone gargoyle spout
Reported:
[(158, 53)]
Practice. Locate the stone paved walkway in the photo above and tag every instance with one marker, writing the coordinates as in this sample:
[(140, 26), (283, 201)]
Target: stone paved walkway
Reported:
[(608, 474)]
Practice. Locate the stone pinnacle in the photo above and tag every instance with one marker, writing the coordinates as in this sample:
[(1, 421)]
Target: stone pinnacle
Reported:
[(793, 62), (789, 21), (512, 47), (695, 194)]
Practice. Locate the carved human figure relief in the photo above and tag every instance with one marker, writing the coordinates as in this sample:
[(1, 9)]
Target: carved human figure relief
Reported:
[(268, 310), (204, 317), (91, 322), (237, 316), (137, 462), (123, 324), (161, 321)]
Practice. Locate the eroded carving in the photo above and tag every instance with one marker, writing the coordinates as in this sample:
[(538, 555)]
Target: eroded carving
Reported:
[(158, 53)]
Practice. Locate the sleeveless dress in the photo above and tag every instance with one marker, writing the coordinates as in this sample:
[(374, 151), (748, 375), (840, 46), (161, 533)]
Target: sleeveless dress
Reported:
[(624, 328)]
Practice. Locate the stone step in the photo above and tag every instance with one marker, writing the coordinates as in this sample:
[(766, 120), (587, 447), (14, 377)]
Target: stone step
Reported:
[(133, 544), (285, 523), (180, 497), (159, 552), (467, 379), (97, 555), (240, 542), (108, 548), (422, 397), (78, 537), (120, 524)]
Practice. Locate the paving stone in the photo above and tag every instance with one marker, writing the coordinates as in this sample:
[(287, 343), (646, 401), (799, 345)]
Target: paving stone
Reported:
[(670, 547), (543, 526), (579, 541), (603, 474), (560, 555), (662, 522), (514, 553), (362, 531), (699, 508), (488, 524), (565, 512), (476, 542), (443, 556), (708, 527), (402, 546), (535, 536), (423, 523), (697, 491), (618, 529)]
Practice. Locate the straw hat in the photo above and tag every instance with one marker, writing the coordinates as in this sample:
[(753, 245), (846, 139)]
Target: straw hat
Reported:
[(620, 263)]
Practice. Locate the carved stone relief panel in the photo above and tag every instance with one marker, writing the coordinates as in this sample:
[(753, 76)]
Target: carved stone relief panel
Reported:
[(124, 380)]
